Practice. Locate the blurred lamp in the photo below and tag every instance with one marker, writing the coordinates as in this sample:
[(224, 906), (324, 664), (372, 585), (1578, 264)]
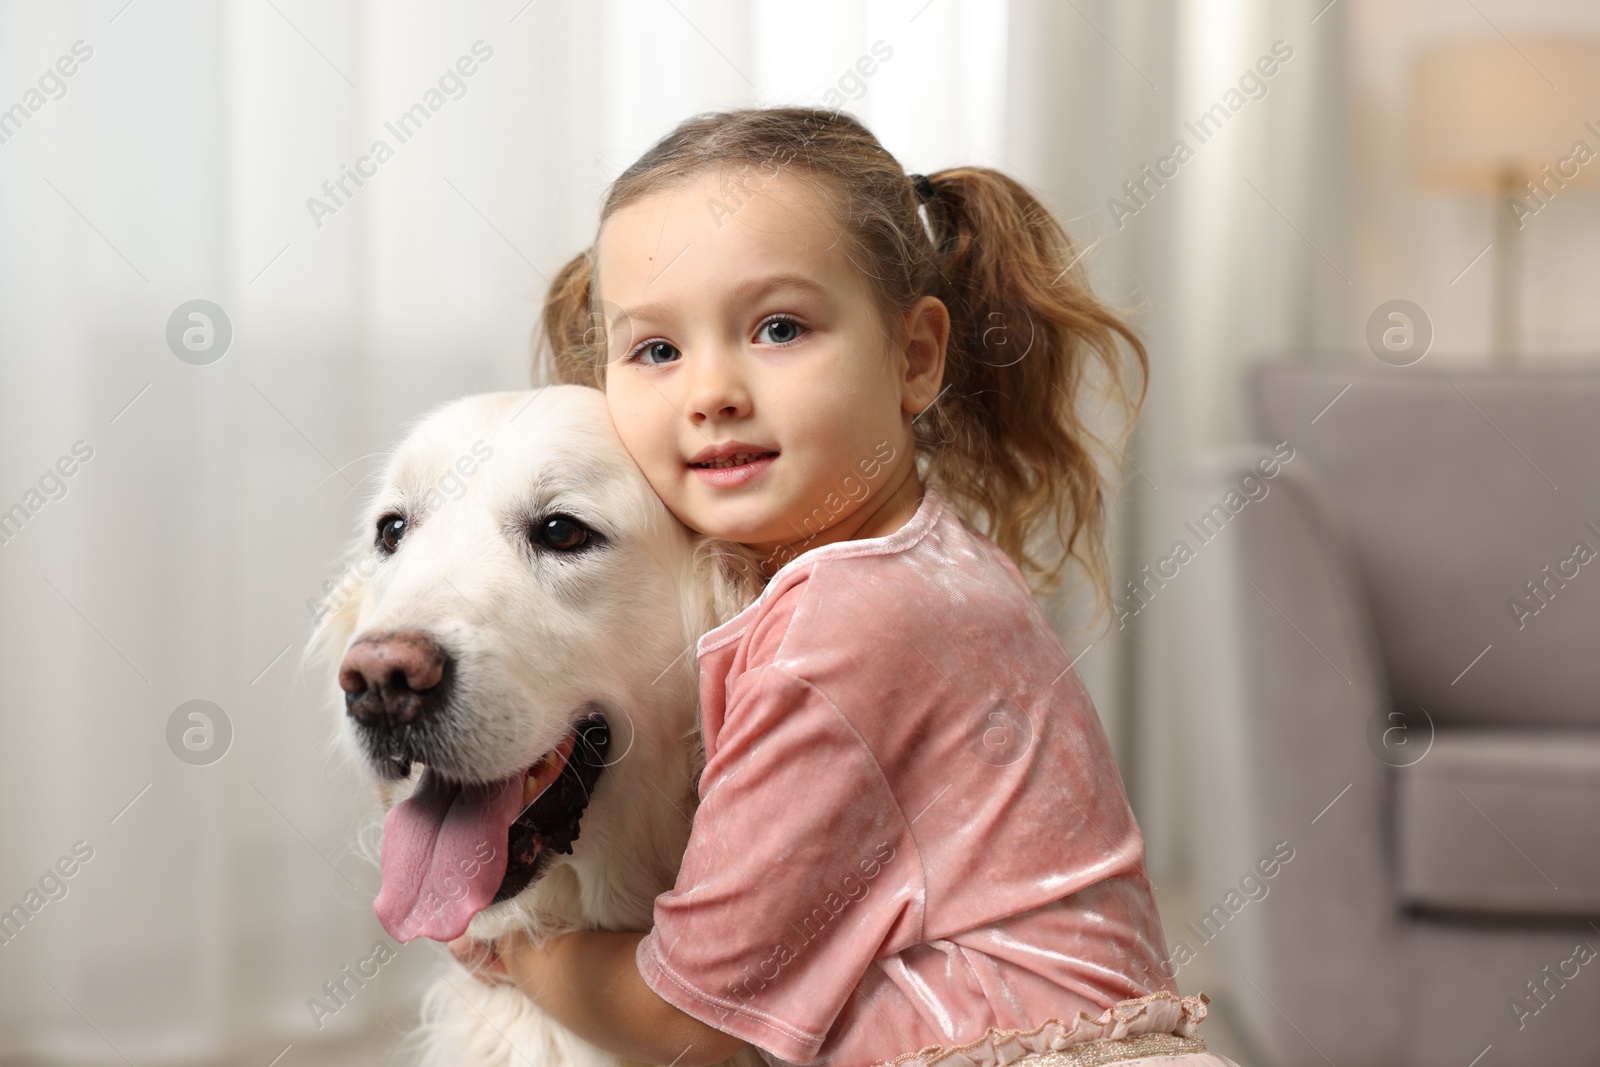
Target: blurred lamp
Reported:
[(1518, 118)]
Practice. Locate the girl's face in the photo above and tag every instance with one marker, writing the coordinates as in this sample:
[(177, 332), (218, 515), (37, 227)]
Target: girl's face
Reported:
[(735, 320)]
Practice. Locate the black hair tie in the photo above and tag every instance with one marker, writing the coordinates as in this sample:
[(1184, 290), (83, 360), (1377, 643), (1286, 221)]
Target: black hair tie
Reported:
[(923, 186)]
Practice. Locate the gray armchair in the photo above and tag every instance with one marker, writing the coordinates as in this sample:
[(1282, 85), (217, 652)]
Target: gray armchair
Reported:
[(1389, 655)]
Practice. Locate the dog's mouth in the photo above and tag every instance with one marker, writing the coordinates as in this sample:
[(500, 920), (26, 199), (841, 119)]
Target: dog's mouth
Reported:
[(450, 850)]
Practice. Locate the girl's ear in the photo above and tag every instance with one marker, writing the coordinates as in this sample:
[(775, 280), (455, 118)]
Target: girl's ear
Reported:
[(927, 331)]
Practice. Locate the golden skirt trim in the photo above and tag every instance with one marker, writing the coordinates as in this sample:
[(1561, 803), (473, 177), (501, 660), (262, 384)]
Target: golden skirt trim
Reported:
[(1114, 1050)]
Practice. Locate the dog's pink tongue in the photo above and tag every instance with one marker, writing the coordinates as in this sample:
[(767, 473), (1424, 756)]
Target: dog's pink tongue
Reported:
[(444, 856)]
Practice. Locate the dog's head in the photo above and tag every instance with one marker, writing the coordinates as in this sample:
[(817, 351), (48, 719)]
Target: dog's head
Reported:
[(514, 634)]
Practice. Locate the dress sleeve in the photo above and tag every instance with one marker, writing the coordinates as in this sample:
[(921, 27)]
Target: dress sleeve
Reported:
[(799, 872)]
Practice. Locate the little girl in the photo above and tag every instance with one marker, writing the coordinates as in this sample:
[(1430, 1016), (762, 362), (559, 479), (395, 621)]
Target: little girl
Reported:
[(912, 844)]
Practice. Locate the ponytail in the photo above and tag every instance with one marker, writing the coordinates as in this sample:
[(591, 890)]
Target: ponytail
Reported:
[(1031, 351), (566, 344)]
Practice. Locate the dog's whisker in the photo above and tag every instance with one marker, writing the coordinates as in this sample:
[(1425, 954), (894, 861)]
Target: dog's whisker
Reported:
[(336, 473), (358, 482)]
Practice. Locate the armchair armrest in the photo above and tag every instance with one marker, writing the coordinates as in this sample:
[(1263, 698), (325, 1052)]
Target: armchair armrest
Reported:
[(1277, 681)]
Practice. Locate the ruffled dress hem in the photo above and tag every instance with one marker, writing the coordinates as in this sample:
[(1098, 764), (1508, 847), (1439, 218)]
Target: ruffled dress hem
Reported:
[(1158, 1016)]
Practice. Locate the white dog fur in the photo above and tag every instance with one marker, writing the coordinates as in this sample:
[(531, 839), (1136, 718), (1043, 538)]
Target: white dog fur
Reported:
[(536, 636)]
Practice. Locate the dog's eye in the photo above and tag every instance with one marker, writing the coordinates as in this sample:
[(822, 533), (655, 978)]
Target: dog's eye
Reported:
[(391, 528), (562, 533)]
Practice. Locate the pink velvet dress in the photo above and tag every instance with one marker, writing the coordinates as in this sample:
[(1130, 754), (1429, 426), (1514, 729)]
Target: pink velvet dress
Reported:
[(913, 846)]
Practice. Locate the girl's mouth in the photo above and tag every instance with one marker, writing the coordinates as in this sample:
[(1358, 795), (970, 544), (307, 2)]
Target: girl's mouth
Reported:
[(726, 472), (739, 459)]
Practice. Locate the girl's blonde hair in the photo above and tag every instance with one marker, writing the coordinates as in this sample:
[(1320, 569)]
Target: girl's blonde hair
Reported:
[(1008, 441)]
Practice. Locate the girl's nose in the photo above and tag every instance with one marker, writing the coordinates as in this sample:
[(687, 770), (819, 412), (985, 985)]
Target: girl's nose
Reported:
[(717, 387)]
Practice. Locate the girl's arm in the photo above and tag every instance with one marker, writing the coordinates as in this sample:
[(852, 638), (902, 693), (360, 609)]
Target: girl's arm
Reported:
[(587, 980)]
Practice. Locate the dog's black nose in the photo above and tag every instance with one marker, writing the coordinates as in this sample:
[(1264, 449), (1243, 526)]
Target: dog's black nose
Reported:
[(393, 679)]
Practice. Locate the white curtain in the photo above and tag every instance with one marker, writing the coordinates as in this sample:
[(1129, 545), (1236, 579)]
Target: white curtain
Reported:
[(185, 158), (1236, 255)]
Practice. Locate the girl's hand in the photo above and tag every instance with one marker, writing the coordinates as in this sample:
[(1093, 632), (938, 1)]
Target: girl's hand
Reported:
[(511, 959), (482, 958), (588, 980)]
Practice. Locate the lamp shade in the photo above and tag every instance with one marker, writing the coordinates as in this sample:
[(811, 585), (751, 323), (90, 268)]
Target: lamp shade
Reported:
[(1485, 111)]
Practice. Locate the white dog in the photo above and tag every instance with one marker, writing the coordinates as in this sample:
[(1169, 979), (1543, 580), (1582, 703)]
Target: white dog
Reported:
[(515, 641)]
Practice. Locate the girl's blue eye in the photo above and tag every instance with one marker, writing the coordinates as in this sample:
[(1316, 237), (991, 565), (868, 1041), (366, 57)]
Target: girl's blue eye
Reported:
[(645, 352), (657, 353), (789, 327)]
